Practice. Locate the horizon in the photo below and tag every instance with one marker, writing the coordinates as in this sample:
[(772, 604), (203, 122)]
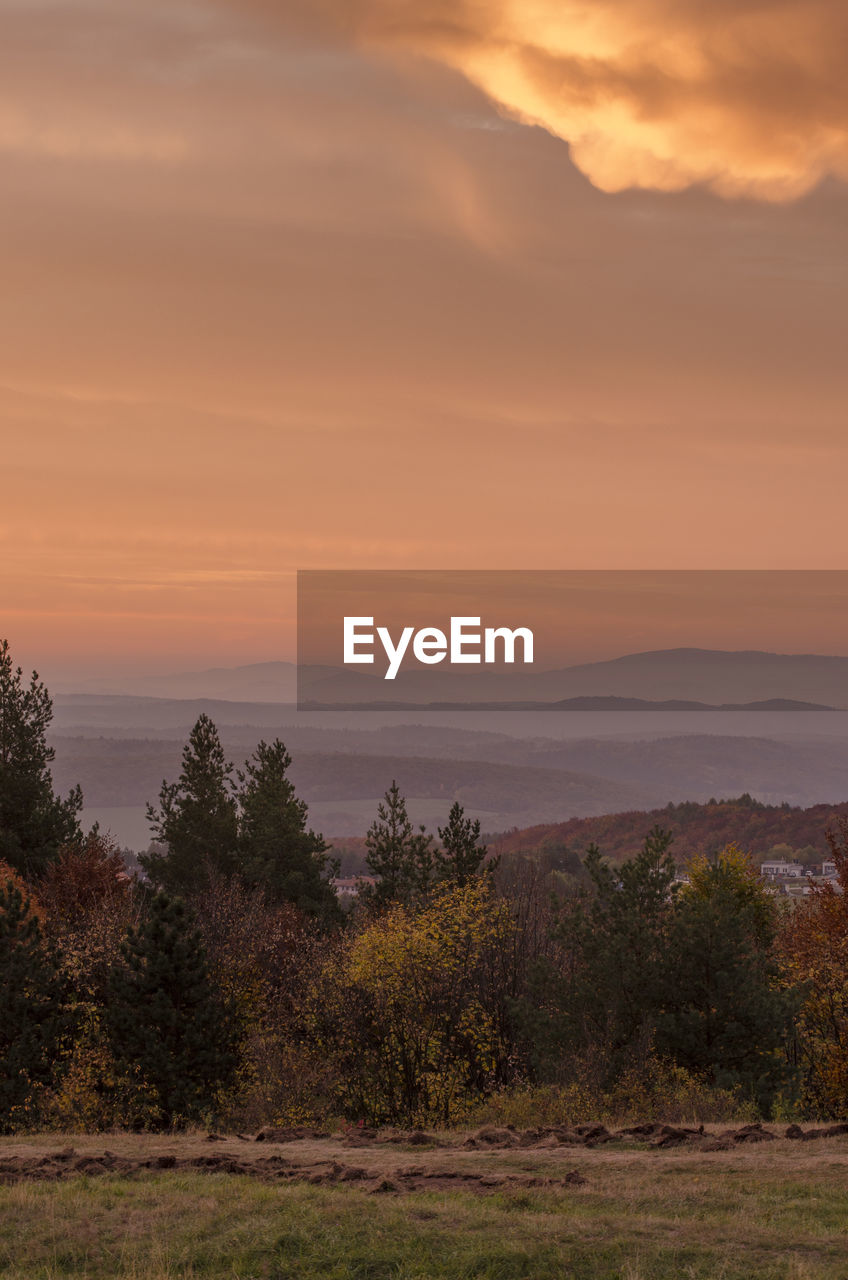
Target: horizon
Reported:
[(160, 673)]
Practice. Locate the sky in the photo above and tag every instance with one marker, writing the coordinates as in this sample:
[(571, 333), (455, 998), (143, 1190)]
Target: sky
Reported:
[(396, 284)]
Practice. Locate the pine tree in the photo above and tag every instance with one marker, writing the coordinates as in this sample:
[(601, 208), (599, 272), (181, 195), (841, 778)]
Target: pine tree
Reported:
[(34, 822), (30, 1005), (167, 1026), (399, 856), (278, 852), (617, 956), (461, 855), (726, 1013), (196, 820)]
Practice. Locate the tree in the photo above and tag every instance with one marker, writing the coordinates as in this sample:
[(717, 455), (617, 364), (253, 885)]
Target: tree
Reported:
[(406, 1012), (33, 821), (814, 944), (30, 1006), (278, 853), (461, 855), (603, 1003), (167, 1026), (726, 1014), (197, 819), (399, 856)]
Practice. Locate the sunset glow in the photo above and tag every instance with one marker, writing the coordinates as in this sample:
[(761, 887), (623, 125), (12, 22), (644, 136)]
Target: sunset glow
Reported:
[(307, 286)]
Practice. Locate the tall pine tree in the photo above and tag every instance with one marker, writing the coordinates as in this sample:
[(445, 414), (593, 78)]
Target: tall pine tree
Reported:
[(400, 857), (461, 854), (196, 820), (167, 1025), (277, 850), (34, 823)]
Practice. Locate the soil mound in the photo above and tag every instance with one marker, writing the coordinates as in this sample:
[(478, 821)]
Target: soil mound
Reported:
[(67, 1163)]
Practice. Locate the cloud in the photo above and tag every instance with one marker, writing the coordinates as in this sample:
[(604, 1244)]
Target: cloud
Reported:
[(745, 96)]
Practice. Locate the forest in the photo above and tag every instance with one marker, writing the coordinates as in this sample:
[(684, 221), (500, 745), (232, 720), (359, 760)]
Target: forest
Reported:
[(219, 982)]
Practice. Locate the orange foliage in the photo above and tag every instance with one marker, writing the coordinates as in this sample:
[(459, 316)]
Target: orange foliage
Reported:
[(9, 875), (84, 877), (815, 948)]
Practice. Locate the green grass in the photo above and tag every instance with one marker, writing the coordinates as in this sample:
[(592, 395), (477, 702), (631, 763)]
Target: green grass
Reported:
[(632, 1221)]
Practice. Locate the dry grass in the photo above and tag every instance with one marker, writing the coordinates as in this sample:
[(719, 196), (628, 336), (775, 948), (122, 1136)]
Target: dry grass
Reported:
[(776, 1210)]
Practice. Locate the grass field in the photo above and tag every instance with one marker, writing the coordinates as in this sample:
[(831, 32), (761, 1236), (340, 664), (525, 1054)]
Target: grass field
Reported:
[(777, 1209)]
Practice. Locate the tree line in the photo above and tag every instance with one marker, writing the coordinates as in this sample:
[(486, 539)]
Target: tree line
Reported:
[(224, 985)]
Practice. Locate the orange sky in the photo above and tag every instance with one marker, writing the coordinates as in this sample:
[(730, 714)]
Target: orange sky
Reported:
[(528, 283)]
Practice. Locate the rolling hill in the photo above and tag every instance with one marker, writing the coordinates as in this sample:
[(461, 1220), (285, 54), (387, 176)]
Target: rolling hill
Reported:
[(697, 828)]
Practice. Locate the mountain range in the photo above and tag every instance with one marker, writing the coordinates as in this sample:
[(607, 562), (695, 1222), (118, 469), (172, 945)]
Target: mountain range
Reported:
[(690, 676)]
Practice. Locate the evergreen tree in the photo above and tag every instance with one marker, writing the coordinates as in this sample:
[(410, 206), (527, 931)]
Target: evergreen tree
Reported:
[(167, 1025), (726, 1013), (616, 945), (30, 1005), (461, 854), (399, 856), (34, 822), (278, 852), (196, 819)]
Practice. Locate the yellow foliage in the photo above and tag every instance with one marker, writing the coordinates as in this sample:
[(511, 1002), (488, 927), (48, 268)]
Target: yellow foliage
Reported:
[(409, 1009), (733, 864)]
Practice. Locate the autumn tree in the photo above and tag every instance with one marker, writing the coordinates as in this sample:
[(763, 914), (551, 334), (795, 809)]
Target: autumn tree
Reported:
[(398, 855), (196, 822), (261, 953), (167, 1024), (405, 1011), (34, 822), (814, 944), (89, 902), (278, 852)]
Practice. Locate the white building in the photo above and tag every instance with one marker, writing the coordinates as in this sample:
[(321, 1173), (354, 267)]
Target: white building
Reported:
[(829, 870), (780, 867), (351, 886)]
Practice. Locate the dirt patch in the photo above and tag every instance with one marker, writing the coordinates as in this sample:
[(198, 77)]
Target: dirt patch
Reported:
[(270, 1134), (659, 1136), (67, 1163), (490, 1158), (364, 1137)]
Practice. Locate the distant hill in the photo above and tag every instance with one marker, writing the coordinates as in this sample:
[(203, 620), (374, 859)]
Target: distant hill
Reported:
[(714, 676), (697, 828), (344, 788), (255, 682), (687, 677)]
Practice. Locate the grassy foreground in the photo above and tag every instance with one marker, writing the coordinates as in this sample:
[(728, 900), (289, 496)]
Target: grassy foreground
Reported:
[(779, 1210)]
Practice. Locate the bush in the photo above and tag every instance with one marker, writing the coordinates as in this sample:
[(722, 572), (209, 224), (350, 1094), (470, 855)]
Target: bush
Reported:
[(665, 1093)]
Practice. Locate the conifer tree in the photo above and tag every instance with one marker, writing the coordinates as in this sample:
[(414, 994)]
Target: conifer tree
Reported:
[(461, 854), (167, 1026), (277, 850), (617, 948), (30, 1004), (196, 819), (34, 822), (726, 1013), (399, 856)]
